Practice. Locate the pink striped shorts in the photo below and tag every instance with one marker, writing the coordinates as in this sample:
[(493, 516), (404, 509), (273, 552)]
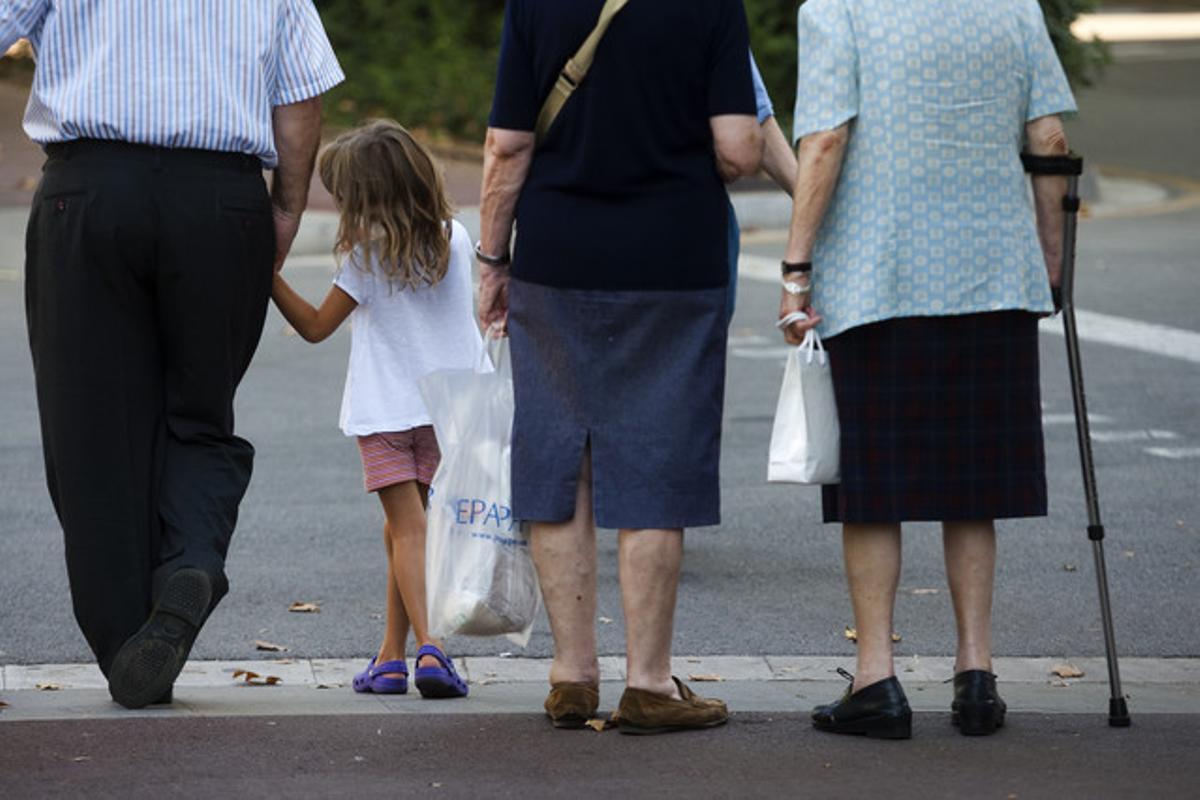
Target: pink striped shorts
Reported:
[(391, 458)]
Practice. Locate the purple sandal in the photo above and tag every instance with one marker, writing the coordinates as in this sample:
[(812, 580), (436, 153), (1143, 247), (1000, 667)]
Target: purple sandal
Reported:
[(440, 681), (375, 679)]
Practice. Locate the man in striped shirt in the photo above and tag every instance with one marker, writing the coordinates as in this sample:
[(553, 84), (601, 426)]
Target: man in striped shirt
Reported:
[(151, 247)]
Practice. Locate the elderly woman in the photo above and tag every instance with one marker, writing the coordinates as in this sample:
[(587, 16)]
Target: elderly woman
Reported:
[(914, 237), (615, 302)]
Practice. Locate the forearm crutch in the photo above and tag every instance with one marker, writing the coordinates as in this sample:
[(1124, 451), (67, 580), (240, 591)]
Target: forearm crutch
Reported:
[(1071, 167)]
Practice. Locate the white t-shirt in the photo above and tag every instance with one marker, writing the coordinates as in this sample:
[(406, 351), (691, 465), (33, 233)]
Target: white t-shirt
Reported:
[(399, 335)]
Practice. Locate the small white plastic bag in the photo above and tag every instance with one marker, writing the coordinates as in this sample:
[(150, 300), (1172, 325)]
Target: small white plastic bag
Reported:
[(479, 574), (806, 439)]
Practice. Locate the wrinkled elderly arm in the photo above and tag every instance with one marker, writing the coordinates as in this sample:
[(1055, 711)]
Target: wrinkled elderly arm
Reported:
[(507, 156), (1046, 137), (738, 144), (819, 165)]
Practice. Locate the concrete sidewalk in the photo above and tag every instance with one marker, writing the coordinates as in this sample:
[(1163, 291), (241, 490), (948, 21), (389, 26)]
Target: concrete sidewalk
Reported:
[(784, 684)]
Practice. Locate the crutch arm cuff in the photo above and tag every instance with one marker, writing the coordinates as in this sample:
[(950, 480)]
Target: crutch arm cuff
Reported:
[(1067, 165)]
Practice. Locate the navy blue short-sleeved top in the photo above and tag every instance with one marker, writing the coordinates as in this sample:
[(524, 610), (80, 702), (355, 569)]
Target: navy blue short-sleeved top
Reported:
[(624, 193)]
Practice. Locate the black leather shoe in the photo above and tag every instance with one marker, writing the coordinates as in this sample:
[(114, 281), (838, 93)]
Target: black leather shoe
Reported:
[(977, 709), (146, 666), (878, 711)]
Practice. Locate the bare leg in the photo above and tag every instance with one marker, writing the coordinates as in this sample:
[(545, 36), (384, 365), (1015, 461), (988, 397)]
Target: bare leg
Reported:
[(404, 506), (872, 554), (970, 549), (565, 556), (395, 632), (650, 561)]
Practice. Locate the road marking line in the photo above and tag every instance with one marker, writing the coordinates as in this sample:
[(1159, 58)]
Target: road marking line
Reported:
[(1174, 453), (1110, 437), (1069, 419), (1132, 334)]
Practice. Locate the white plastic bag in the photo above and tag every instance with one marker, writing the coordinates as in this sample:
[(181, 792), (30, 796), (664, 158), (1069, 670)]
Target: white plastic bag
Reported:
[(806, 439), (479, 574)]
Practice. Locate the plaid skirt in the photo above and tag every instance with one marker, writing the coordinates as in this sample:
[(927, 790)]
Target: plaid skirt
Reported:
[(941, 420)]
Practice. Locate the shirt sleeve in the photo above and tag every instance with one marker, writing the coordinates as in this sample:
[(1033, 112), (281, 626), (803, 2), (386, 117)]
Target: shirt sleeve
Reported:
[(305, 63), (730, 83), (515, 104), (20, 18), (1049, 90), (354, 279), (762, 97), (827, 78)]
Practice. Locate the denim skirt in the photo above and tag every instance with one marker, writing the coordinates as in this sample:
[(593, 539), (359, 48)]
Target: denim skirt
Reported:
[(941, 420), (637, 377)]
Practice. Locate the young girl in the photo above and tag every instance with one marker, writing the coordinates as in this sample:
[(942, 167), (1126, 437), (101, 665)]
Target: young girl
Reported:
[(406, 282)]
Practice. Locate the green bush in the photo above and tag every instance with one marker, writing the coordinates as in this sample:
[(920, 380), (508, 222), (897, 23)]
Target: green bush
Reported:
[(431, 63)]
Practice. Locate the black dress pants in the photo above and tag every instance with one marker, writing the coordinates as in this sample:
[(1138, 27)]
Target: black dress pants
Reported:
[(147, 278)]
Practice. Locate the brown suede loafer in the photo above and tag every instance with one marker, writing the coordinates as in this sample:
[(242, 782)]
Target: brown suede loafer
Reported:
[(571, 705), (644, 713)]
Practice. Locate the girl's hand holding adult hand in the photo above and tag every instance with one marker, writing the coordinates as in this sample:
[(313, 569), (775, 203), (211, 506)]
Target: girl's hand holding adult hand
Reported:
[(493, 298), (791, 303)]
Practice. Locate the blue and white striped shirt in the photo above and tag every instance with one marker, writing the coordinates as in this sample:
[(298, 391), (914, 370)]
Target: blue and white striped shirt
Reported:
[(201, 74)]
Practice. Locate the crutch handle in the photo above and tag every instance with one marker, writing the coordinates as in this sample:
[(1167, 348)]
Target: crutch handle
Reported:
[(1068, 165)]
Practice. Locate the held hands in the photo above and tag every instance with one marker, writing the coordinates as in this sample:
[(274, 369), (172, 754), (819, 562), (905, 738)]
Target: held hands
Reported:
[(493, 299), (790, 303), (286, 226)]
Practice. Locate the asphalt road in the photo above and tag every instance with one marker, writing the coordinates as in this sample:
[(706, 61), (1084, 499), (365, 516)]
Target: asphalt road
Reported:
[(757, 755), (769, 579)]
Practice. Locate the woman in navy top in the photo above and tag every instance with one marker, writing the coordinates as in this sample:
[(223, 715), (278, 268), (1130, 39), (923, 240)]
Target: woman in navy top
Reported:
[(616, 305)]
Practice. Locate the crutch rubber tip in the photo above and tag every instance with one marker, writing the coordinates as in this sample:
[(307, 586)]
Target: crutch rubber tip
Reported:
[(1118, 713)]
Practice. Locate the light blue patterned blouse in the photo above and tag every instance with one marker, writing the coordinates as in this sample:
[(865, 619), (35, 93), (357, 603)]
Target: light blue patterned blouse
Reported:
[(932, 215)]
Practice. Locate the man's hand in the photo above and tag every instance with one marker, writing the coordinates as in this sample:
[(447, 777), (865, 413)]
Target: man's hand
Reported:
[(790, 303), (493, 298), (286, 226)]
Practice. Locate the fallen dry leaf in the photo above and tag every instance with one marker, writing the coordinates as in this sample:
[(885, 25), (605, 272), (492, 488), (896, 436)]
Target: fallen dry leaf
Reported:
[(47, 687), (254, 679), (599, 724), (300, 607), (925, 591), (269, 647), (852, 635), (706, 677), (1066, 671)]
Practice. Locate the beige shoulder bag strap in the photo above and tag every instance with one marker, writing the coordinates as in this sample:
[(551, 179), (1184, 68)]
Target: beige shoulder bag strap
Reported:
[(576, 70)]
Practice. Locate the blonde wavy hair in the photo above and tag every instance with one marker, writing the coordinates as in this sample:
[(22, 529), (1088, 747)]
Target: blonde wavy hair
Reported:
[(392, 201)]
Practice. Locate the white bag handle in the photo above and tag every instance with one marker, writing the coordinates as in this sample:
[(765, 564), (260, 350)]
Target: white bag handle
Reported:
[(812, 346)]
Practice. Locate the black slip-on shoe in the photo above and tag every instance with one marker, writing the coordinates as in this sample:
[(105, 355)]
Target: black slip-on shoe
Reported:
[(146, 666), (878, 711), (977, 709)]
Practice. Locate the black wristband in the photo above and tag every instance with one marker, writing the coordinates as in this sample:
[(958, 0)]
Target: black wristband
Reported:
[(491, 261), (803, 267)]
